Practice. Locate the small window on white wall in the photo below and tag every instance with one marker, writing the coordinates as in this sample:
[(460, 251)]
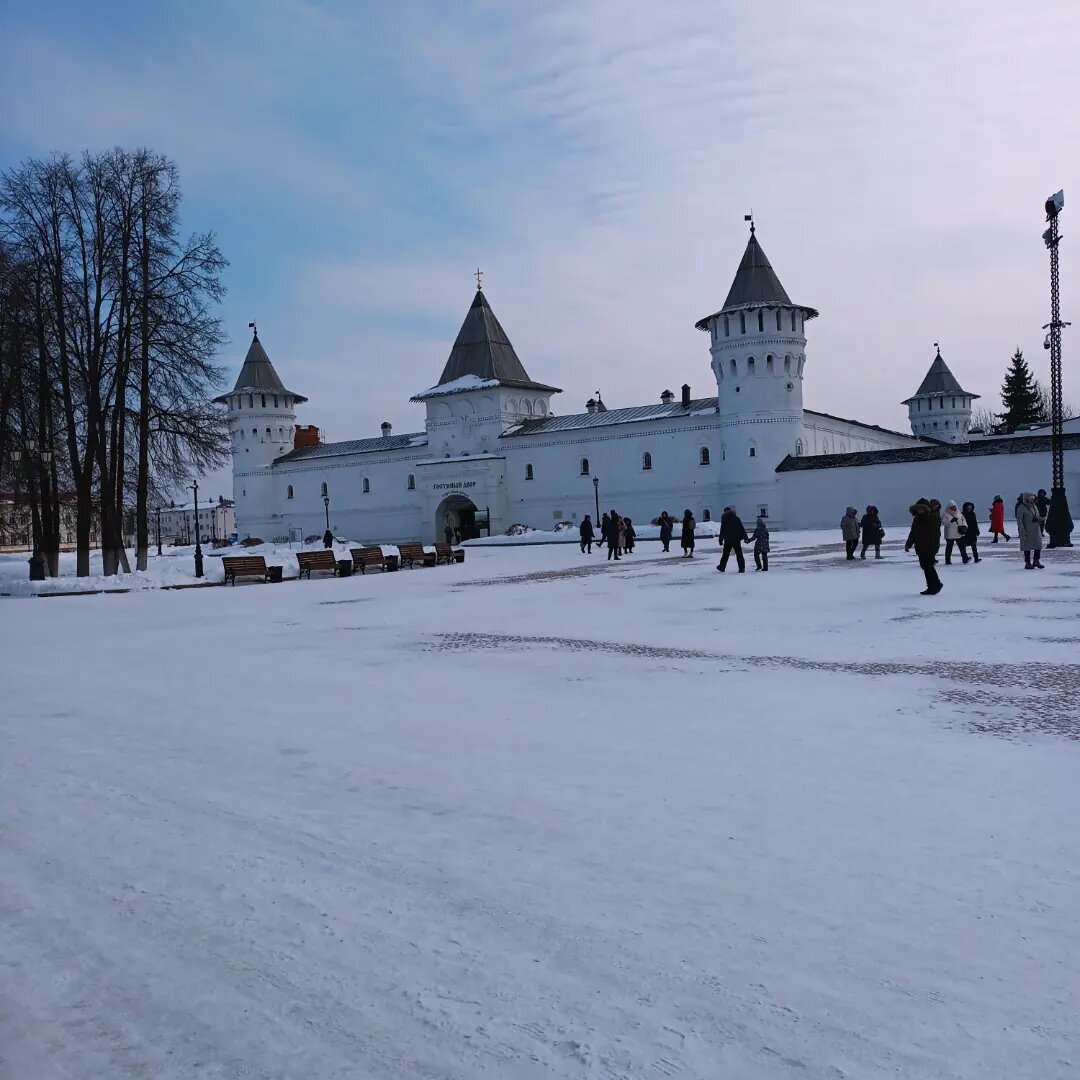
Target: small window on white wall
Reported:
[(798, 448), (367, 485), (703, 456), (528, 472), (585, 470), (288, 492), (761, 320), (742, 322), (727, 327), (778, 326), (324, 490), (646, 461), (753, 451), (793, 322), (411, 485), (750, 366)]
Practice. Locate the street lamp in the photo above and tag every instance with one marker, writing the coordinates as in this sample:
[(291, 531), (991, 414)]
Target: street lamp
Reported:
[(326, 506), (596, 493), (159, 529), (44, 458), (1059, 523), (198, 546)]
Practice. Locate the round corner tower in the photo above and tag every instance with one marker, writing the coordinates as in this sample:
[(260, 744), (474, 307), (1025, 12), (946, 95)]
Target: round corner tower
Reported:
[(940, 409), (758, 346), (262, 426)]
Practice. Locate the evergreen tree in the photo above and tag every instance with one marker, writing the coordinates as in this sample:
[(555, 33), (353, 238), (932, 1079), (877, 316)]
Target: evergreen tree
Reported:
[(1019, 395)]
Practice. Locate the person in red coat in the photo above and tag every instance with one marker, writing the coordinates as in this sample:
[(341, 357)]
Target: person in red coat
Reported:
[(997, 519)]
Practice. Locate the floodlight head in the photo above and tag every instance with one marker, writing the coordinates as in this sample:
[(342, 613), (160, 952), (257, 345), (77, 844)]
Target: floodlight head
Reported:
[(1055, 204)]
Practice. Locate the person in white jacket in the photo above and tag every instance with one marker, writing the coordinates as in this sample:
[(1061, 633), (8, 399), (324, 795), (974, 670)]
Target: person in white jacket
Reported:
[(954, 527)]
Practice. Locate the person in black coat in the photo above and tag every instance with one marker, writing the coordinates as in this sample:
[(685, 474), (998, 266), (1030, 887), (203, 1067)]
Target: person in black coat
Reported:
[(605, 528), (328, 539), (667, 528), (925, 538), (585, 530), (872, 532), (732, 536), (1042, 501), (687, 535), (629, 536), (970, 538)]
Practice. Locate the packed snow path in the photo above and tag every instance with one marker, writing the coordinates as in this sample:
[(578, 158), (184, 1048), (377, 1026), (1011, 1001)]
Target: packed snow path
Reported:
[(521, 819)]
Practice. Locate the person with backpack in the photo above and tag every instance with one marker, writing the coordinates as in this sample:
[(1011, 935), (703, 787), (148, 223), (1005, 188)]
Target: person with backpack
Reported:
[(872, 532), (667, 528), (954, 526), (732, 536), (687, 536), (997, 519), (760, 536), (970, 539), (585, 530)]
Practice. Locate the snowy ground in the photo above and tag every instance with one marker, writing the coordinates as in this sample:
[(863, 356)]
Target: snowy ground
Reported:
[(539, 815)]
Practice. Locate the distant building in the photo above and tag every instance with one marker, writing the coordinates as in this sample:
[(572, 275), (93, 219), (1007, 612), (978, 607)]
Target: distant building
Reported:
[(179, 524)]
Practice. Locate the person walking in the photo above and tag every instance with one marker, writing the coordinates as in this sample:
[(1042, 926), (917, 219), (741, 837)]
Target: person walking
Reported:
[(925, 538), (997, 519), (585, 530), (760, 536), (849, 528), (955, 527), (970, 539), (872, 532), (605, 528), (1029, 530), (614, 548), (732, 536), (1042, 501), (629, 536), (686, 538), (667, 527), (328, 539)]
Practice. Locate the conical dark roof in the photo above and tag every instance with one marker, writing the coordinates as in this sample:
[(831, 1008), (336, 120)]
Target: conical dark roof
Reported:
[(755, 280), (939, 380), (755, 285), (258, 375), (483, 350)]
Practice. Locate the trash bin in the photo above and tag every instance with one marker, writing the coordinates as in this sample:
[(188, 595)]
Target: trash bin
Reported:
[(37, 567), (344, 567), (275, 573)]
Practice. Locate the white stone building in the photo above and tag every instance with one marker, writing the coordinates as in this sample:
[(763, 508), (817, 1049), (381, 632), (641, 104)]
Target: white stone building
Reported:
[(493, 450), (215, 520)]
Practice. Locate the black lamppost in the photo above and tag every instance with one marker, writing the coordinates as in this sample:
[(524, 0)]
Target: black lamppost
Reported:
[(596, 493), (198, 546), (326, 506), (44, 458), (1059, 523), (158, 514)]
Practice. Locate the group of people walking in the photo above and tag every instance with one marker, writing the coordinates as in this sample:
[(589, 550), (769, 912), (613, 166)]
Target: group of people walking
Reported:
[(616, 532)]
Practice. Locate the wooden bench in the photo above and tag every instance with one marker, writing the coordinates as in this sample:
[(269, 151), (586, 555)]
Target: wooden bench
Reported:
[(323, 561), (411, 554), (444, 553), (245, 566), (362, 558)]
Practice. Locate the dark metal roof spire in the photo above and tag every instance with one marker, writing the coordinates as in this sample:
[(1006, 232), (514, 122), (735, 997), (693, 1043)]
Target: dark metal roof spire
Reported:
[(939, 380), (257, 375)]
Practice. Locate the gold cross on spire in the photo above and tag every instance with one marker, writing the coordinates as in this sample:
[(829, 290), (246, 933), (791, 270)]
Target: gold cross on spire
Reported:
[(479, 283)]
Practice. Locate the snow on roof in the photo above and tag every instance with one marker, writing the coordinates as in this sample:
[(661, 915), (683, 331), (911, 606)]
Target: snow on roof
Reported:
[(637, 414), (355, 446), (459, 385)]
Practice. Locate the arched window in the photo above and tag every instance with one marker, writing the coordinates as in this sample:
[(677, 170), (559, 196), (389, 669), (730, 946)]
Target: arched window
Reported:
[(288, 492), (761, 320), (787, 364), (254, 432), (798, 448), (251, 401), (281, 433), (585, 470), (793, 322), (727, 327), (703, 456), (646, 461), (778, 326), (941, 403), (769, 364), (367, 486), (705, 515), (723, 451), (528, 472), (946, 423), (954, 403), (411, 485), (269, 433), (753, 450), (742, 322), (324, 490), (734, 368), (750, 366), (263, 397), (241, 433), (935, 423)]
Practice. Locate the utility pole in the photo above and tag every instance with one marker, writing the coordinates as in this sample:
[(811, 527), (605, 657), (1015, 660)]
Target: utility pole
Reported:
[(1059, 523), (198, 545)]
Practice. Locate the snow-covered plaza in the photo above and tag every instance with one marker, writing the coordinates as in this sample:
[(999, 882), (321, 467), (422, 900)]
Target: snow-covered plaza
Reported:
[(543, 815)]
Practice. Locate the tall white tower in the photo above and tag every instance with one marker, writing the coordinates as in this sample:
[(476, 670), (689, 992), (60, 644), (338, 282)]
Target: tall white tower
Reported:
[(262, 424), (758, 347), (940, 409)]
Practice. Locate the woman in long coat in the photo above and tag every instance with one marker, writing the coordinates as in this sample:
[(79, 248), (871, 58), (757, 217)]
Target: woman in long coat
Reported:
[(1028, 528), (997, 519), (687, 538)]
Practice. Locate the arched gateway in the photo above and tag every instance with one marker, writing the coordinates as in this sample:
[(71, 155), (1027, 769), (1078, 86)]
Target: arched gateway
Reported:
[(457, 513)]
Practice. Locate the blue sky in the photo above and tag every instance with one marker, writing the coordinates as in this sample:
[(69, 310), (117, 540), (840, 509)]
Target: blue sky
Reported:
[(358, 161)]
